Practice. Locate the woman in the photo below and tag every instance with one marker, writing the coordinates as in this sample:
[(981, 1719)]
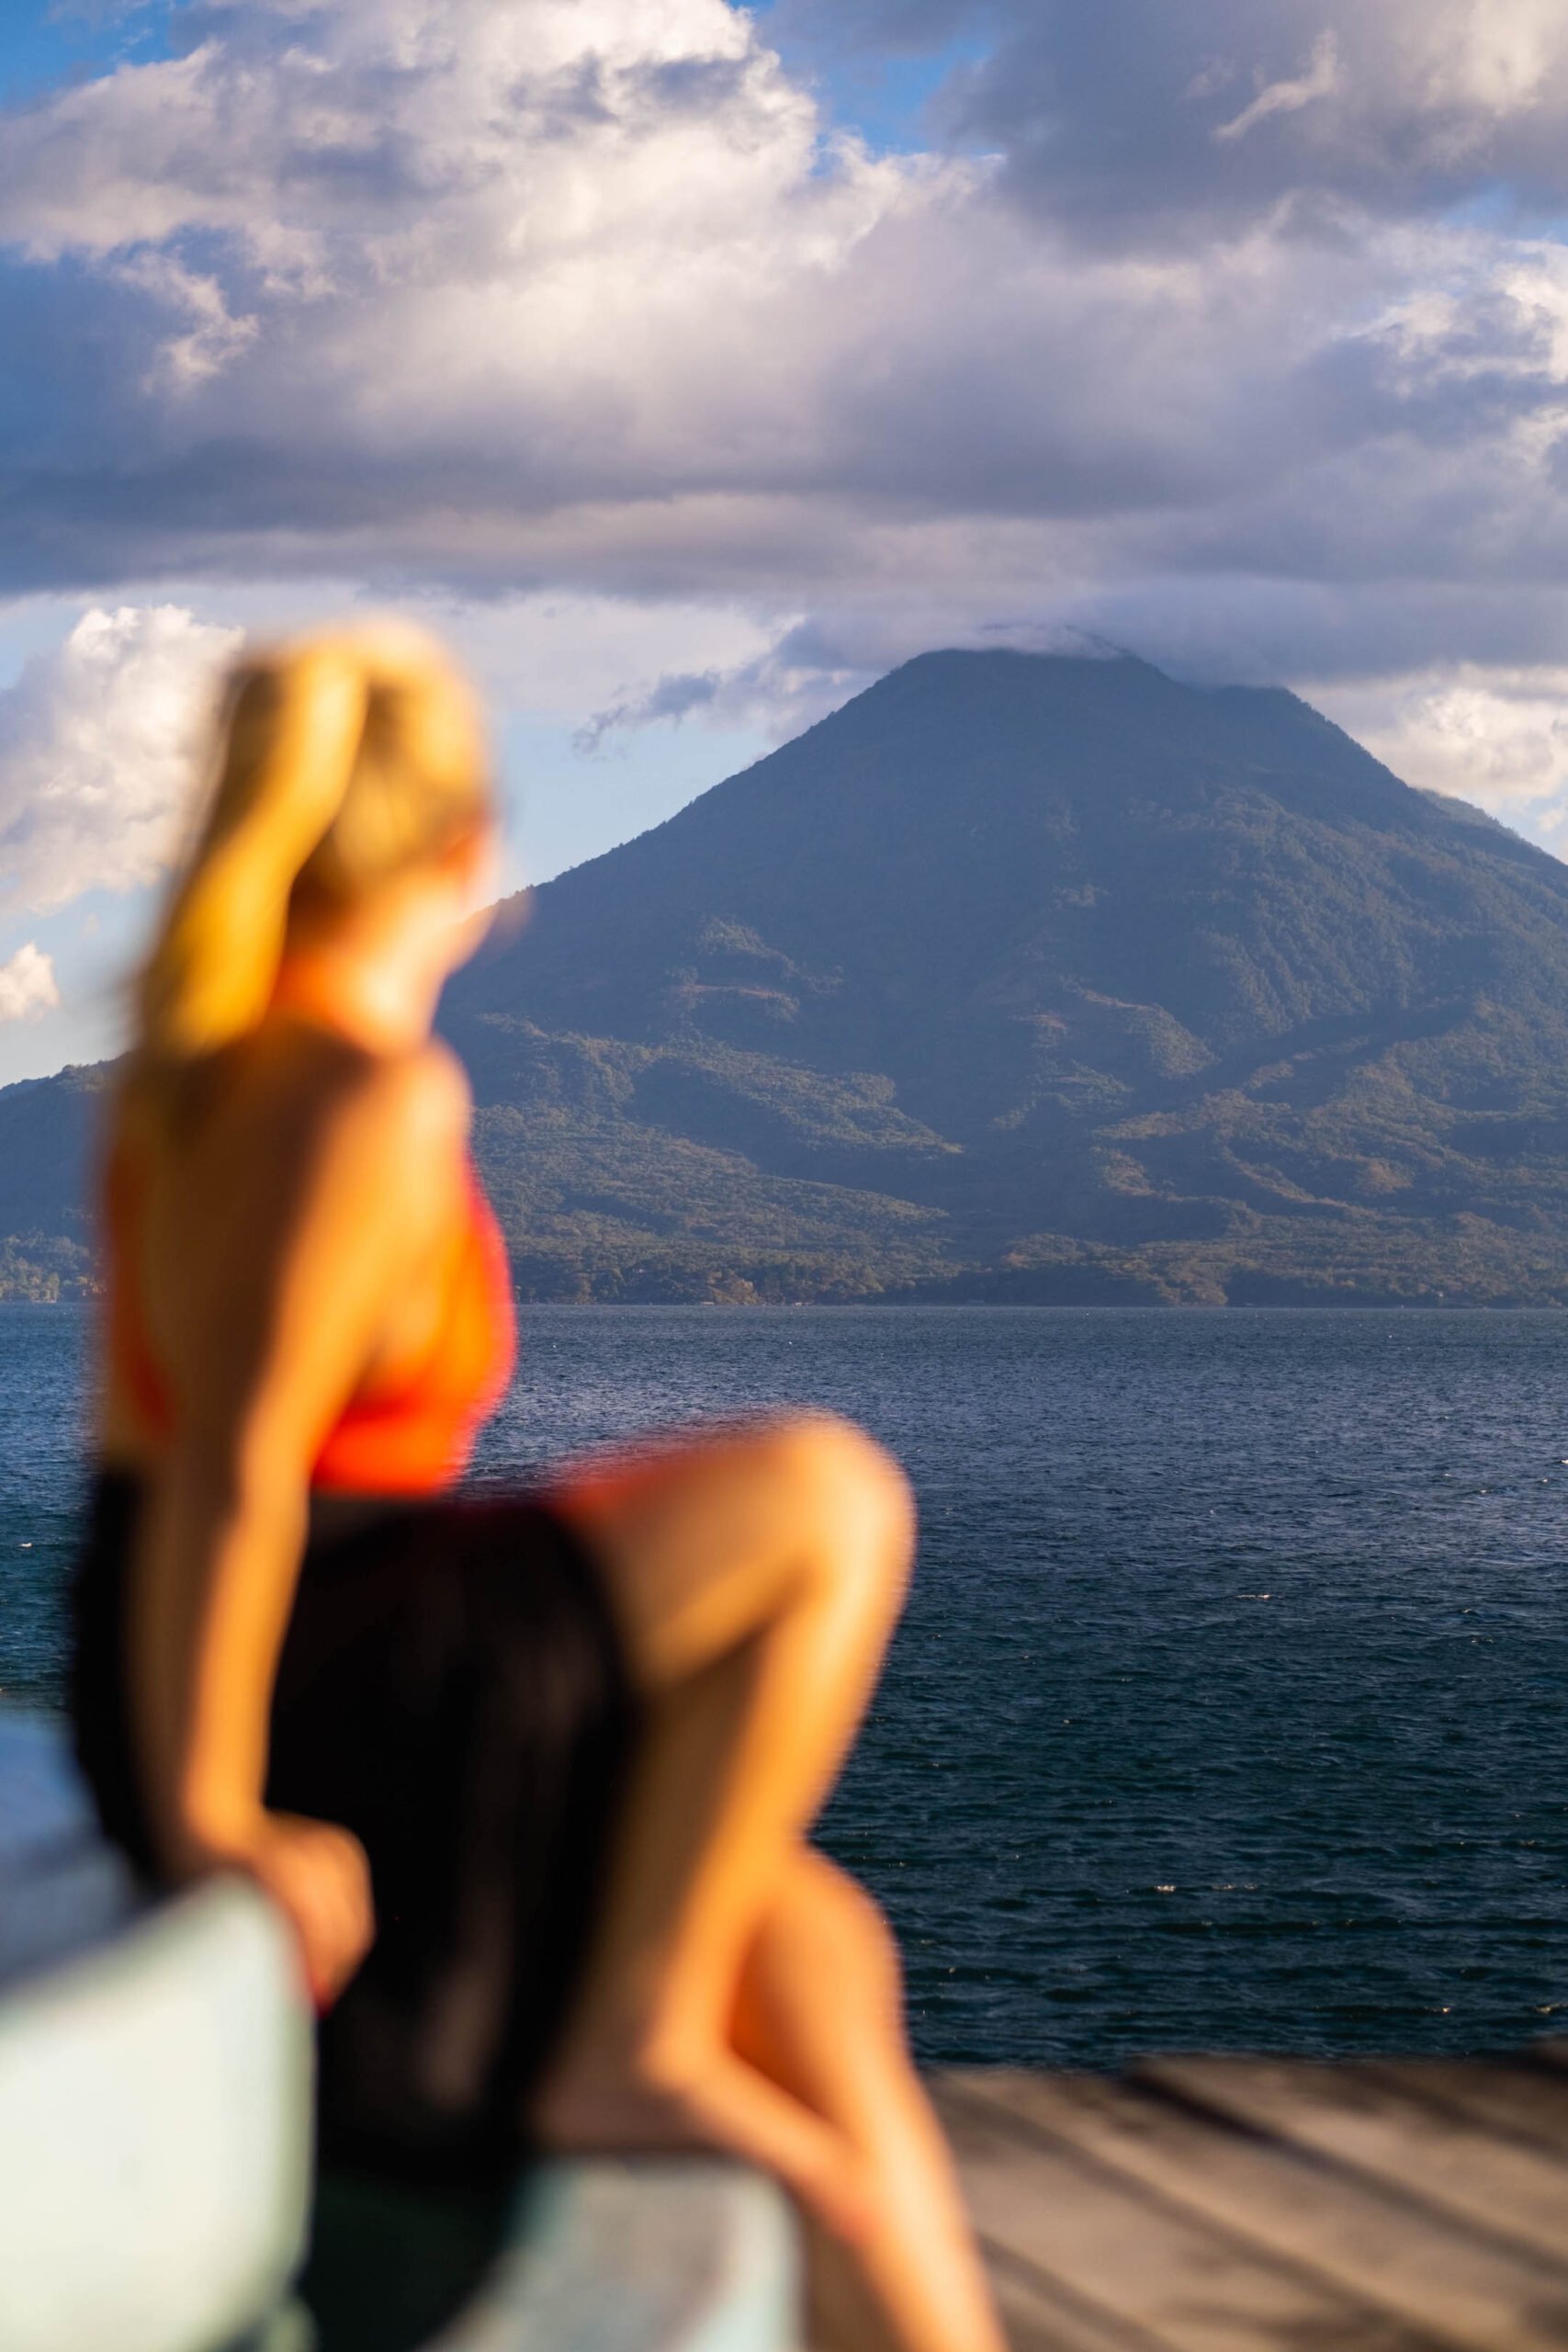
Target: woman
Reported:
[(529, 1776)]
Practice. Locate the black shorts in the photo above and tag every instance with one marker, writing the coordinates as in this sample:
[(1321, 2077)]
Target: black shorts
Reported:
[(454, 1689)]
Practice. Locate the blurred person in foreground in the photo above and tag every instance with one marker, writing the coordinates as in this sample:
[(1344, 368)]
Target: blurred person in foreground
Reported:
[(530, 1774)]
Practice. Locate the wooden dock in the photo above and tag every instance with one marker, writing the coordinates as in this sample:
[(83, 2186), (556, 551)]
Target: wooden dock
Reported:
[(1245, 2205)]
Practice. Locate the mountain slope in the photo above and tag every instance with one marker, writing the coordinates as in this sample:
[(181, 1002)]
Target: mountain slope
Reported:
[(1141, 989), (1029, 977)]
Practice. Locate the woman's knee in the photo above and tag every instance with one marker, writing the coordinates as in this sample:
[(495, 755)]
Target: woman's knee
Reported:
[(836, 1476), (704, 1541), (847, 1931), (820, 2002)]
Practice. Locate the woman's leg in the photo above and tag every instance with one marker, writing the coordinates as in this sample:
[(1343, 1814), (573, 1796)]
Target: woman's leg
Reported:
[(820, 2011), (756, 1575)]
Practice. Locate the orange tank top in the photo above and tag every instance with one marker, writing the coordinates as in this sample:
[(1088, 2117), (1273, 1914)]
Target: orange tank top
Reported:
[(408, 1432)]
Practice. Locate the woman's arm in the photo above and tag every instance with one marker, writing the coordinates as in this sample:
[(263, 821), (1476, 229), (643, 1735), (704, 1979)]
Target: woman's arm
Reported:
[(295, 1254)]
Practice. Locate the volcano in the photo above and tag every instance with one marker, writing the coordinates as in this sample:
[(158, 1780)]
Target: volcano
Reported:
[(1020, 978)]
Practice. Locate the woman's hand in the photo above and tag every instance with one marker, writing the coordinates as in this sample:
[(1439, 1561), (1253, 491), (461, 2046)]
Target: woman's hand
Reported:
[(318, 1877)]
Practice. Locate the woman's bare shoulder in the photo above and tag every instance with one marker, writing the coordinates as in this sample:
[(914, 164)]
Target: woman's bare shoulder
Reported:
[(402, 1116), (293, 1102)]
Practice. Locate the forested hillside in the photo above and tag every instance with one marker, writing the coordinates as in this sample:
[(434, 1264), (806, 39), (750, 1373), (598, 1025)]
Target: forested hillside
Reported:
[(1020, 977)]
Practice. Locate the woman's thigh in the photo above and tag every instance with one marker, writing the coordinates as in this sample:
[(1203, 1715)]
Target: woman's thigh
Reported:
[(701, 1539)]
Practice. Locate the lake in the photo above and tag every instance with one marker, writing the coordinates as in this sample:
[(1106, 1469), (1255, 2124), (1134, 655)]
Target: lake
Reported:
[(1231, 1705)]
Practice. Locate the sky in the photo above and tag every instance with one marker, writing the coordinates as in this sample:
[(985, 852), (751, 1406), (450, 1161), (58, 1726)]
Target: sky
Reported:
[(688, 366)]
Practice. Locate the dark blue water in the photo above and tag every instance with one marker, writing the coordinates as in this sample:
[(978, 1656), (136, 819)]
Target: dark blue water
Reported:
[(1231, 1708)]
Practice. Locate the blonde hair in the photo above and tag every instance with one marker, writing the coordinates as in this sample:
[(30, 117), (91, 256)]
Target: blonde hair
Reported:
[(343, 759)]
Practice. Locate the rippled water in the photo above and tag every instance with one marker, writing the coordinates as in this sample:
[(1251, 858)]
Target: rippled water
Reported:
[(1230, 1707)]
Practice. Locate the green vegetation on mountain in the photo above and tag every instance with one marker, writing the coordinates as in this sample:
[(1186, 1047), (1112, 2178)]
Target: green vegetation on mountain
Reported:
[(1019, 977), (47, 1126)]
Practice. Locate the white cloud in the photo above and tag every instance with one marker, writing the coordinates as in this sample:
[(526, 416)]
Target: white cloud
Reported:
[(1282, 97), (1498, 738), (813, 667), (98, 741), (575, 294), (28, 984), (448, 286), (212, 336), (574, 301)]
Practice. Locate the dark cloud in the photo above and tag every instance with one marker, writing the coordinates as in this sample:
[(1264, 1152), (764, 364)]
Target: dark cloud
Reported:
[(1135, 118)]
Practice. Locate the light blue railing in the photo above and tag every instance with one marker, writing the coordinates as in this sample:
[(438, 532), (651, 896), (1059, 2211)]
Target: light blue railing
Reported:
[(155, 2143)]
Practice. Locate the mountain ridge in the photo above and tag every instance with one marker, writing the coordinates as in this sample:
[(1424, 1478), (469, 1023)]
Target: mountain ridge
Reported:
[(1019, 976)]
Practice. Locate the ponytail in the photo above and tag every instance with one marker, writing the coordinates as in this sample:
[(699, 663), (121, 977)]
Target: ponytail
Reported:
[(341, 758)]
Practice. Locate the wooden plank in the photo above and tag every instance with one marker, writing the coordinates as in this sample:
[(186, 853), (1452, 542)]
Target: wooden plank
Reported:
[(1103, 2248), (1360, 2118), (1037, 2315), (1524, 2102), (1431, 2272)]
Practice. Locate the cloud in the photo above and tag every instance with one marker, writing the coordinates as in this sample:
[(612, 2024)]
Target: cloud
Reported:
[(813, 667), (1281, 97), (444, 289), (98, 744), (1496, 736), (27, 984), (673, 696), (1231, 332), (1121, 119)]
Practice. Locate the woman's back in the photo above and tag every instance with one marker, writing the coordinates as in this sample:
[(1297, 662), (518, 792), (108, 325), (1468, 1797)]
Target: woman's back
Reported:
[(200, 1197)]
